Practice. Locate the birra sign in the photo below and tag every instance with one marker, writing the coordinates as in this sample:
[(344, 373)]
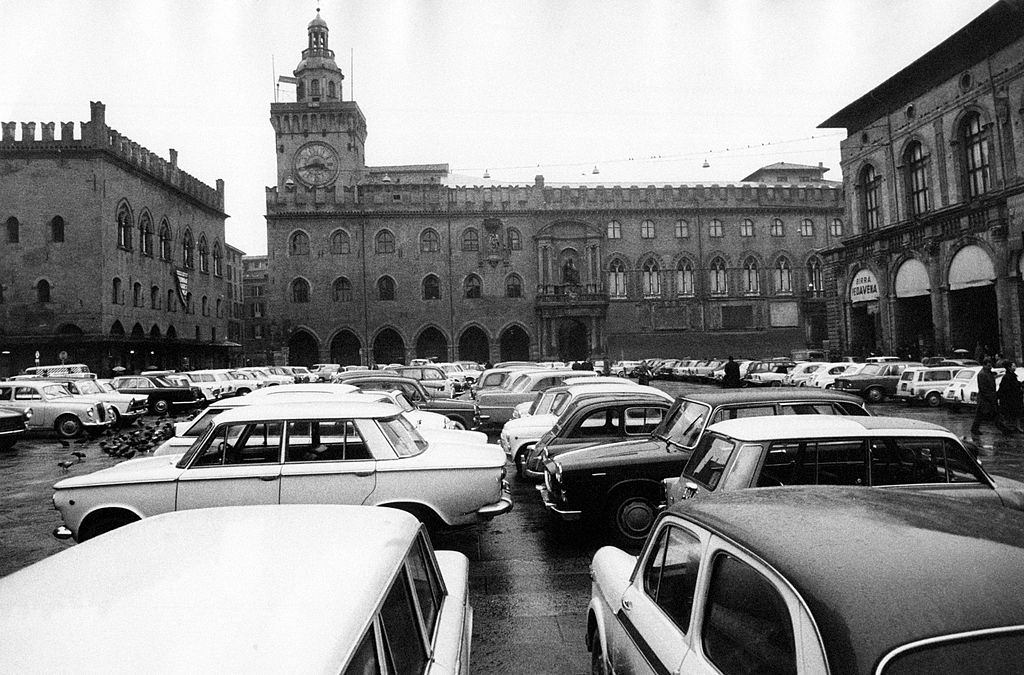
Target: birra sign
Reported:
[(864, 287)]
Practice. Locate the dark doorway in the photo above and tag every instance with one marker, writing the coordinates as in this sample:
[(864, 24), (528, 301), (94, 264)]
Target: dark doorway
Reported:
[(915, 333), (573, 341), (863, 328), (974, 318), (345, 349), (474, 345), (302, 349), (432, 344), (388, 347), (515, 345)]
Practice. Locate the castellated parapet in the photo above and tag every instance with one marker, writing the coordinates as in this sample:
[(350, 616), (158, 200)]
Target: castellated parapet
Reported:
[(96, 136)]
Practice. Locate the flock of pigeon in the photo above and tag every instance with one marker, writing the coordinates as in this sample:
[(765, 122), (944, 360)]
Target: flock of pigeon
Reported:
[(124, 444)]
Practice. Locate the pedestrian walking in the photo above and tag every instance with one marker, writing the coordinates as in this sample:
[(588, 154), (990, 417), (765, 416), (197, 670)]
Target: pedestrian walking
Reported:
[(644, 374), (988, 400), (1009, 394), (731, 380)]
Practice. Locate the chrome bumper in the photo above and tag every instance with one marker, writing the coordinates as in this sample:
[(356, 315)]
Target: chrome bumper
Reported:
[(549, 504), (503, 505)]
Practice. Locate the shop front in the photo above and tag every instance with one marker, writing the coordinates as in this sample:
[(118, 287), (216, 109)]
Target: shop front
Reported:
[(864, 323), (914, 330)]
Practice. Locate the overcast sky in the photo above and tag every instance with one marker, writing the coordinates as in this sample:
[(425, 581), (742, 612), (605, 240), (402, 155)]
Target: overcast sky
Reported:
[(646, 91)]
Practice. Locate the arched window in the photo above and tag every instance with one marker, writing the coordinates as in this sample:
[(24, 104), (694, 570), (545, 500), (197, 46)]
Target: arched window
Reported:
[(647, 229), (614, 229), (137, 294), (916, 167), (298, 244), (715, 228), (869, 188), (974, 138), (165, 241), (43, 291), (650, 279), (431, 287), (806, 227), (751, 277), (314, 87), (189, 307), (783, 276), (470, 240), (300, 290), (472, 286), (778, 229), (341, 290), (204, 255), (57, 230), (513, 286), (154, 297), (747, 228), (682, 229), (218, 260), (617, 279), (204, 304), (384, 242), (386, 288), (684, 277), (717, 277), (124, 227), (218, 311), (332, 91), (188, 251), (146, 235), (836, 229), (13, 230), (515, 240), (430, 242), (115, 291), (172, 306), (340, 244), (814, 280)]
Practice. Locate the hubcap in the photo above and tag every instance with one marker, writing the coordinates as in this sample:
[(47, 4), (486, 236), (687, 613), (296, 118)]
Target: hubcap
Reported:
[(635, 517)]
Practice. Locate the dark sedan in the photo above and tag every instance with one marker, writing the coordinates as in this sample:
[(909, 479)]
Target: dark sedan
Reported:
[(457, 410), (162, 394), (13, 423), (875, 381)]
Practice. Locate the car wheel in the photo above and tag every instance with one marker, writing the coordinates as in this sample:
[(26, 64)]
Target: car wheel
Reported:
[(520, 461), (161, 406), (103, 523), (630, 517), (598, 665), (67, 426), (875, 394), (933, 399), (776, 383), (115, 419), (459, 424)]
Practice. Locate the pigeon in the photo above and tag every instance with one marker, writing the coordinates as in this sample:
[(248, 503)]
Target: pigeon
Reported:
[(129, 454), (65, 465), (79, 455)]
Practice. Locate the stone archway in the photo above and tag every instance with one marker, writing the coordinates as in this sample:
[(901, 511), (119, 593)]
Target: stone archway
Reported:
[(474, 345), (303, 349), (515, 344), (432, 344), (388, 347), (573, 340), (346, 348)]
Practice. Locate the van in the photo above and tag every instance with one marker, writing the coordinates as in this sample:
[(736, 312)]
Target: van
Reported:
[(921, 383), (59, 370)]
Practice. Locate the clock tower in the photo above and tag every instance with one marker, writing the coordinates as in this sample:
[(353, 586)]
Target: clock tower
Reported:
[(320, 138)]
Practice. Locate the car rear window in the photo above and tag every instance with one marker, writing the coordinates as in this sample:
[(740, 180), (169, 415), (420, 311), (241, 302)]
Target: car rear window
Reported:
[(988, 652), (907, 375)]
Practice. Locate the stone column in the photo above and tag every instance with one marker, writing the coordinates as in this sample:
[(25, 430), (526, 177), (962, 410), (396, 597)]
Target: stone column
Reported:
[(943, 313), (940, 331)]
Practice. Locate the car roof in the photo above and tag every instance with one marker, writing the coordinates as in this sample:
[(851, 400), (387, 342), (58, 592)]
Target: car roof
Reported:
[(275, 410), (279, 588), (780, 427), (780, 394), (878, 568), (329, 388)]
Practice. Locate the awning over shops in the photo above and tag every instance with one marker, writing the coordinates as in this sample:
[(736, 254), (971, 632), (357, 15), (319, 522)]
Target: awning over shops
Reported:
[(971, 267), (912, 279)]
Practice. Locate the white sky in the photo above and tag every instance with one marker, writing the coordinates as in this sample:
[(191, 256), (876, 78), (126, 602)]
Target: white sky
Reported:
[(501, 85)]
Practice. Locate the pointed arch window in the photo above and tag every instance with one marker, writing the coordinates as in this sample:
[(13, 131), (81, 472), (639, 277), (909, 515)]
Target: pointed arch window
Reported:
[(778, 229), (115, 291), (298, 244), (154, 297), (715, 228), (472, 286), (869, 188), (783, 276), (650, 278), (188, 251), (340, 243), (218, 310), (717, 277), (165, 241), (515, 240), (332, 91), (684, 278), (470, 240), (204, 255), (13, 230), (385, 288), (204, 305), (137, 294), (124, 227), (614, 229), (341, 290), (747, 228), (146, 235), (431, 287), (300, 290), (916, 167), (617, 279), (172, 306), (57, 230), (513, 286), (430, 242), (43, 291), (751, 277), (974, 137), (218, 260), (384, 243), (189, 307), (814, 279)]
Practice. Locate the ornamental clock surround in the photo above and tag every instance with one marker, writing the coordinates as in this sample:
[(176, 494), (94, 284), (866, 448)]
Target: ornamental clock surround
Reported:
[(316, 164)]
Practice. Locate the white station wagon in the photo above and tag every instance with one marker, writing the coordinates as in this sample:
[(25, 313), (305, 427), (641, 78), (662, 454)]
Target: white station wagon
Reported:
[(323, 452), (254, 589)]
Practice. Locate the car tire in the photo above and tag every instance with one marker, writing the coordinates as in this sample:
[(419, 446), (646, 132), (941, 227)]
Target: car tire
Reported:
[(243, 391), (68, 426), (430, 520), (520, 461), (630, 516), (161, 406), (115, 420), (103, 523), (875, 394), (776, 383), (933, 399), (598, 664), (459, 424)]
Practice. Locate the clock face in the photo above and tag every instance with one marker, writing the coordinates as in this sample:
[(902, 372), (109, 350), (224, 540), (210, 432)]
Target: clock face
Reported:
[(316, 164)]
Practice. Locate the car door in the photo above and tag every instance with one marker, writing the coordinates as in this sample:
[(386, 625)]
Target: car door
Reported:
[(239, 464), (28, 397), (326, 461)]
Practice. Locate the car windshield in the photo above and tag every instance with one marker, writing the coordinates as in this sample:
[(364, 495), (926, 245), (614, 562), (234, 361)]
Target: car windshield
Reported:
[(684, 424), (202, 423), (106, 386), (403, 436), (88, 387), (163, 382), (524, 383), (56, 391), (965, 375), (708, 461), (873, 369), (558, 404)]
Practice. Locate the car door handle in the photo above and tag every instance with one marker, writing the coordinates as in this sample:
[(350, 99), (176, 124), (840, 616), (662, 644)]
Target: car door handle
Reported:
[(364, 474), (627, 605), (270, 478)]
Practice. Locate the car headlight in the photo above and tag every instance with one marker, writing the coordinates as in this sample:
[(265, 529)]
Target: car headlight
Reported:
[(89, 413), (558, 472), (28, 413)]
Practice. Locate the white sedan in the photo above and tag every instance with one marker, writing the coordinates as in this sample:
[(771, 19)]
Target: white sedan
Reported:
[(326, 452)]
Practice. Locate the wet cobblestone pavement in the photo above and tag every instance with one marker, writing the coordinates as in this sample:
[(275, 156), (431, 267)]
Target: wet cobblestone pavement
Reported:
[(529, 582)]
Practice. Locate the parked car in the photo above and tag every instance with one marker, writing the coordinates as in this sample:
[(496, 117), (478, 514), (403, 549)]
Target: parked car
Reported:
[(963, 388), (924, 384), (161, 394), (54, 408), (767, 373), (124, 409), (825, 376), (438, 382), (245, 382), (875, 381), (494, 378), (206, 382), (596, 420), (620, 484), (323, 371), (268, 378), (310, 452), (13, 423), (623, 368), (813, 580), (800, 373), (859, 451), (288, 589), (719, 373), (61, 370), (702, 372), (494, 408), (460, 412)]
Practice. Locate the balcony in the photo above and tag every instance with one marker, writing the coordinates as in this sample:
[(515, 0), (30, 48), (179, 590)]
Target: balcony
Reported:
[(572, 295)]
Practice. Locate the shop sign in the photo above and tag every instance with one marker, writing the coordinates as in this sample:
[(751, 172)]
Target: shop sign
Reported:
[(864, 287)]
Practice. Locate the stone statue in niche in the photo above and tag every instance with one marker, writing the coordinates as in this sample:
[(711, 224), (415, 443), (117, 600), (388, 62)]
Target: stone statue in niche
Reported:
[(570, 275)]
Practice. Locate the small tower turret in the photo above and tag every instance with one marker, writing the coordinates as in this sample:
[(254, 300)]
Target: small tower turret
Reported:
[(319, 77)]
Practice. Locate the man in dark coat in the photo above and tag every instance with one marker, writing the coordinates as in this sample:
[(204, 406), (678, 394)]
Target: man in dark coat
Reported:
[(988, 401), (1010, 402), (732, 375), (644, 373)]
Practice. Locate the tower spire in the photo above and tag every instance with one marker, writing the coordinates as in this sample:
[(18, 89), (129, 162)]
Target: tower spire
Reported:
[(319, 77)]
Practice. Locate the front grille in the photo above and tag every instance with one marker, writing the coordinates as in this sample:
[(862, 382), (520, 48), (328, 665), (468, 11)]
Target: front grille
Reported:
[(101, 412), (12, 423)]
